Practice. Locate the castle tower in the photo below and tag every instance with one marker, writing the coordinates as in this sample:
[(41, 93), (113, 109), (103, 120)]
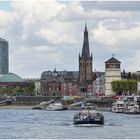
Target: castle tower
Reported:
[(85, 61), (112, 72)]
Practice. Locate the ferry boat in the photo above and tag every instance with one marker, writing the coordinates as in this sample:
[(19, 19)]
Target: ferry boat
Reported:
[(56, 107), (118, 106), (132, 107), (88, 117)]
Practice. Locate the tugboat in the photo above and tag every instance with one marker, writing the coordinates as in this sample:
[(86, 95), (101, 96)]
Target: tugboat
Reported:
[(88, 117)]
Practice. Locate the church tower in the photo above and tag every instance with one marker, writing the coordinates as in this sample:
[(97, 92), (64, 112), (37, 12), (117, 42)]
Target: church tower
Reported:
[(85, 61)]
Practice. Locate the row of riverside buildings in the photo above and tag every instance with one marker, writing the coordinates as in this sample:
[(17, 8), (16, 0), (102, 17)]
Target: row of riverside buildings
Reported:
[(68, 83), (84, 81)]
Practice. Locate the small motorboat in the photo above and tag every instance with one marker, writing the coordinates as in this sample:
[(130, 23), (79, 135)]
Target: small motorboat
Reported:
[(56, 107), (118, 106), (88, 117), (132, 107)]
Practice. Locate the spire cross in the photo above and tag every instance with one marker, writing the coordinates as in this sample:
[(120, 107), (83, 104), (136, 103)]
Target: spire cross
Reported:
[(113, 55)]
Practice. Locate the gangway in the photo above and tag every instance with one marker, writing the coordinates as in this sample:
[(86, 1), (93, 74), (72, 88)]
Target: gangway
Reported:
[(6, 101), (43, 104), (75, 104)]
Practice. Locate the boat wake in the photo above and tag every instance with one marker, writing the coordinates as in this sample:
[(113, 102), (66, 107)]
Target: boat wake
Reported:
[(112, 124), (88, 125), (65, 124)]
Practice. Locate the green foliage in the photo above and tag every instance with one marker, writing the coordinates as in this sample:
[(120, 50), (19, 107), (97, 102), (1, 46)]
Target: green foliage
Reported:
[(18, 90), (6, 90), (30, 88), (124, 86)]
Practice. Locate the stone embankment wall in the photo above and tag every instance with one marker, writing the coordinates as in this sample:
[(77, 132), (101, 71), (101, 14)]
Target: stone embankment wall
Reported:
[(34, 100), (29, 100)]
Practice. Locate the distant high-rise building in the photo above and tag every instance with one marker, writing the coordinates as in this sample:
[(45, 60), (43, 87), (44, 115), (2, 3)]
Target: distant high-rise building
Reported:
[(4, 61)]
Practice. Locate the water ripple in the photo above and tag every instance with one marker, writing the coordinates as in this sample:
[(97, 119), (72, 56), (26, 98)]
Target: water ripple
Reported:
[(31, 124)]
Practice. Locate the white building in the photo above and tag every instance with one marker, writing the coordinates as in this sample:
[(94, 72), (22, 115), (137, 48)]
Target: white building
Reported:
[(37, 87), (99, 84), (112, 72)]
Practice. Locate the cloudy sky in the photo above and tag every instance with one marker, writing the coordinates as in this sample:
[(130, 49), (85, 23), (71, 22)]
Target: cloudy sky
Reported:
[(44, 35)]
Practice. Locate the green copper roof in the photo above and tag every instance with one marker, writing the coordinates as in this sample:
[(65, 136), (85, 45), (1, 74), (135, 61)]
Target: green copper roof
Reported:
[(11, 77)]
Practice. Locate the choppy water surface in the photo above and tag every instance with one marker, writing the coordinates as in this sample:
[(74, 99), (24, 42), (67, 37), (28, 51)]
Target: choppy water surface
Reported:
[(37, 124)]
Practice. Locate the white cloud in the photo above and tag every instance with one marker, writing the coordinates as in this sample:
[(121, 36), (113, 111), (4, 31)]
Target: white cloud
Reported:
[(105, 35), (5, 18), (105, 14), (47, 34), (111, 5), (28, 59), (58, 33), (75, 11), (134, 63)]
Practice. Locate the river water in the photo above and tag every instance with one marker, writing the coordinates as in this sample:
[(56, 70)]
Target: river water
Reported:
[(42, 124)]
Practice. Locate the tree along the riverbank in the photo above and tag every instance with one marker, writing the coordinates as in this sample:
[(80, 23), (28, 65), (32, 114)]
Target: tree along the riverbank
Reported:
[(124, 86), (18, 90)]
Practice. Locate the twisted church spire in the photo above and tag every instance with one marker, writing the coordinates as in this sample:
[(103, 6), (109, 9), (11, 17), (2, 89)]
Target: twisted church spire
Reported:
[(85, 49)]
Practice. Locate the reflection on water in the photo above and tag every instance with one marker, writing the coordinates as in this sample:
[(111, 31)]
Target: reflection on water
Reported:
[(37, 124)]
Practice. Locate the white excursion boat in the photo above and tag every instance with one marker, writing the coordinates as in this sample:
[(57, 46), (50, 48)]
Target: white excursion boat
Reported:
[(132, 107), (56, 107), (118, 106)]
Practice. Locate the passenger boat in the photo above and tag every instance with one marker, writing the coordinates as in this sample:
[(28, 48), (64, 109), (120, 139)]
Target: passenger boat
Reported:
[(118, 106), (88, 117), (132, 107), (56, 107)]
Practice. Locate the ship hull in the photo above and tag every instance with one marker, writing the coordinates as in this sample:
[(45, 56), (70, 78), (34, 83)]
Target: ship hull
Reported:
[(89, 122)]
